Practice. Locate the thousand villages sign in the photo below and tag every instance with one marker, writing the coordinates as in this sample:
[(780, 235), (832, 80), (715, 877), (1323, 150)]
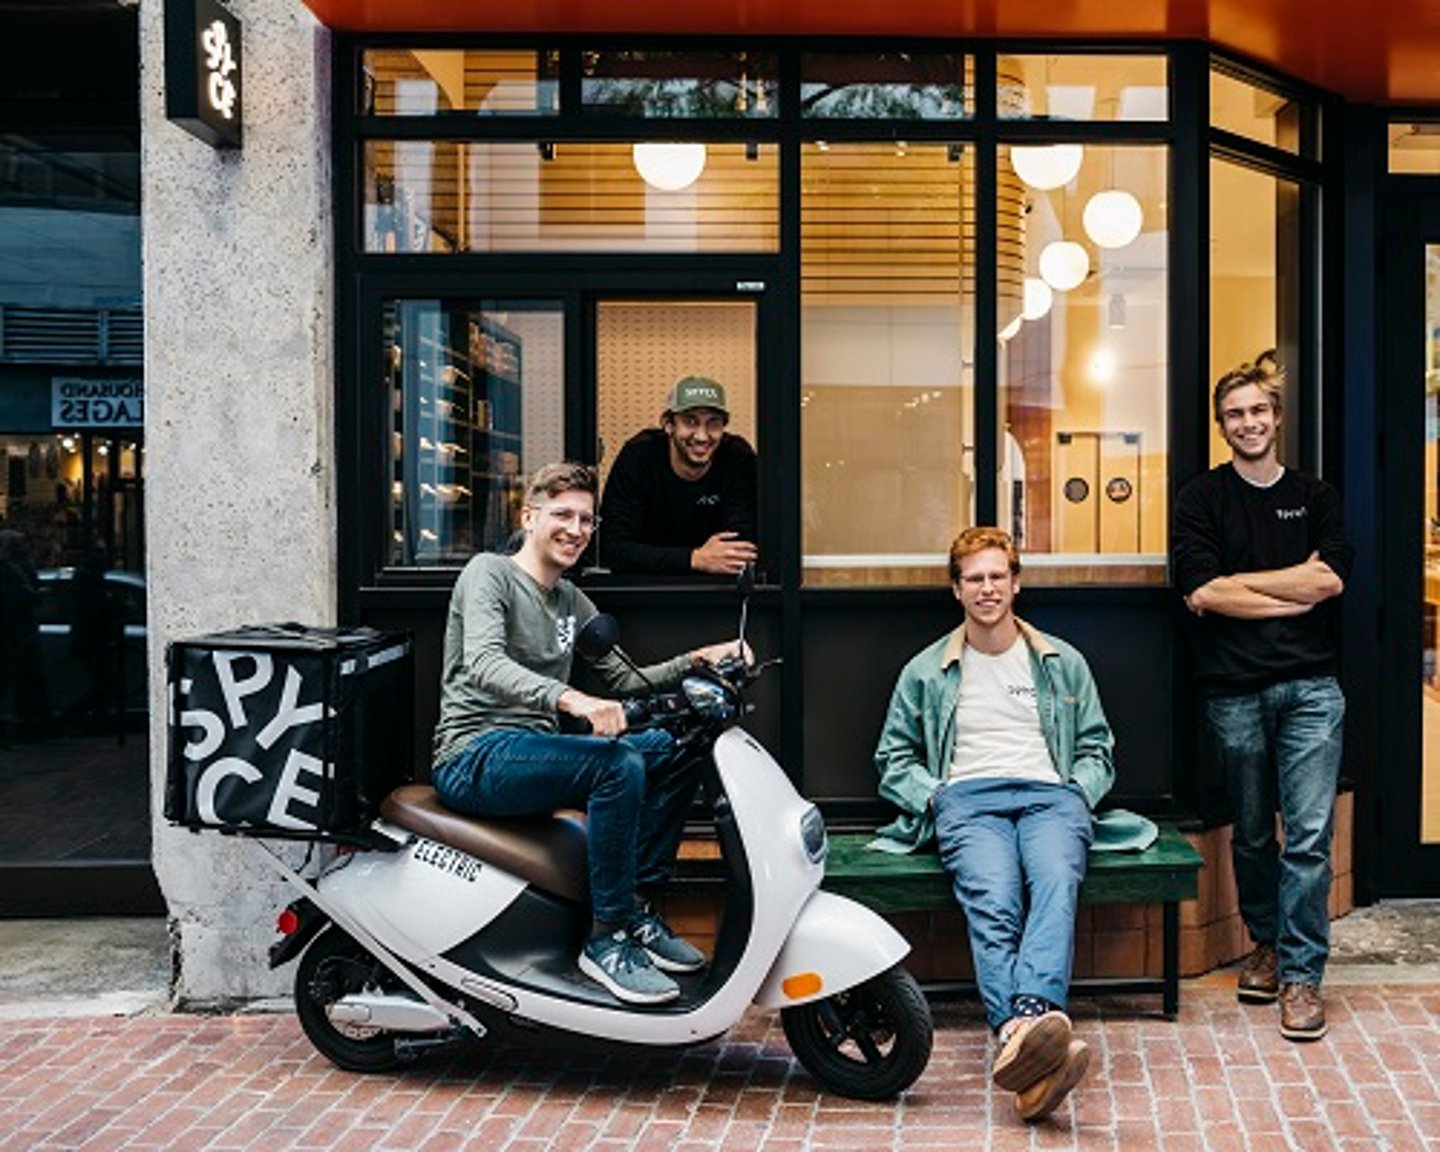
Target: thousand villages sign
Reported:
[(88, 402)]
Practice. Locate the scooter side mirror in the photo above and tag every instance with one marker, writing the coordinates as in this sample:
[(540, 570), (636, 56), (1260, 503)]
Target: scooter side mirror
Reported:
[(598, 637)]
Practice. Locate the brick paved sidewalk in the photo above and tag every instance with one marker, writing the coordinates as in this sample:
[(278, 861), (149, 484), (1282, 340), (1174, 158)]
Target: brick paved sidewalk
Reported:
[(1221, 1078)]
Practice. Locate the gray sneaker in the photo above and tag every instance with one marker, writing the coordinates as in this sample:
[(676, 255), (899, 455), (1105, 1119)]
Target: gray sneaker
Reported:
[(667, 951), (623, 968)]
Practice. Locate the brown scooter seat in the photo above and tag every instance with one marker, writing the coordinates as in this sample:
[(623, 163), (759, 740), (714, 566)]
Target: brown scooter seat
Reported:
[(546, 851)]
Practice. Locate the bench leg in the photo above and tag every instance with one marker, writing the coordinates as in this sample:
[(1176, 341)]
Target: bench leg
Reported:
[(1171, 934)]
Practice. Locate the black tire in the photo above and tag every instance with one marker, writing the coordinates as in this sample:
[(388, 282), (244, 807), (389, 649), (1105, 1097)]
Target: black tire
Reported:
[(333, 966), (870, 1042)]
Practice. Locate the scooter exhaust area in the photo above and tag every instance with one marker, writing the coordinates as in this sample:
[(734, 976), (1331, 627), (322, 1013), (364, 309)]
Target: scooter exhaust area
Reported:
[(392, 1013)]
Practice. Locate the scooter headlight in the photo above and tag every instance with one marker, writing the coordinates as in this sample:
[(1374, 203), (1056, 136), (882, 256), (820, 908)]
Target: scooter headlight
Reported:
[(708, 698), (812, 835)]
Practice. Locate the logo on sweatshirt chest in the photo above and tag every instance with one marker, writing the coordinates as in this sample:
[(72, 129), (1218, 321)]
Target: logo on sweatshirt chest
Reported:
[(1291, 513), (565, 632)]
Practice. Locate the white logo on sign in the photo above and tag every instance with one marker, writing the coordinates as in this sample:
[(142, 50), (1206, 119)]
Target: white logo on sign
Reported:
[(220, 60)]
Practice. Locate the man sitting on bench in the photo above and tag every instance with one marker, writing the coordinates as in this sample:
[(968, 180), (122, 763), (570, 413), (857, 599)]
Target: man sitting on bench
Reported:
[(996, 745)]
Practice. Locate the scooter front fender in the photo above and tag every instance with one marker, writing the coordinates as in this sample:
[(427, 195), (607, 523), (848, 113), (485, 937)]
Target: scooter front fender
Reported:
[(834, 945)]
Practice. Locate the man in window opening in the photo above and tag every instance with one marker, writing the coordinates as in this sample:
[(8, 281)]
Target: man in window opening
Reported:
[(681, 498), (996, 746), (1260, 557), (509, 645)]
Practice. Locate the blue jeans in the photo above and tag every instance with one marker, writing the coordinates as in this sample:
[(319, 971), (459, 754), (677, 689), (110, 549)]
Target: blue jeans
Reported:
[(635, 790), (1001, 840), (1280, 749)]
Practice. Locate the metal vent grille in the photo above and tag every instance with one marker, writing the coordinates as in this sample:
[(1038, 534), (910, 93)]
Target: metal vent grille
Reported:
[(71, 335)]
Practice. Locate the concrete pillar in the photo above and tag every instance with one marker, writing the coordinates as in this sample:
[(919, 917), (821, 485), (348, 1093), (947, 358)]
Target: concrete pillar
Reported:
[(239, 426)]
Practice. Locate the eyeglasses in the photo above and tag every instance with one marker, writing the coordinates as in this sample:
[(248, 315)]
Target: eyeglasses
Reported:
[(585, 521)]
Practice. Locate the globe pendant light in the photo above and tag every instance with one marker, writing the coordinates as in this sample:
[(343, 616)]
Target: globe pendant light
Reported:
[(1046, 166), (1113, 219), (669, 167), (1064, 264), (1011, 330), (1038, 298)]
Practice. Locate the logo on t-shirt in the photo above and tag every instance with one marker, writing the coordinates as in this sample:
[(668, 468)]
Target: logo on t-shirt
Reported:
[(1290, 513), (565, 632), (707, 498), (1021, 690)]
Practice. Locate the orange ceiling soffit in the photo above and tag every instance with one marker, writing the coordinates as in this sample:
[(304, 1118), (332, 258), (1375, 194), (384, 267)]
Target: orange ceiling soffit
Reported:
[(1384, 53)]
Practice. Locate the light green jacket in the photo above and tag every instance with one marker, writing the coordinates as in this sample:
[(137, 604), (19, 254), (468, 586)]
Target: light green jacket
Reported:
[(917, 743)]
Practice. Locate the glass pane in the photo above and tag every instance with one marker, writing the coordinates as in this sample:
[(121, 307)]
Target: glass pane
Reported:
[(1254, 112), (887, 366), (424, 82), (1082, 87), (1083, 360), (456, 196), (1255, 286), (1415, 149), (641, 348), (699, 85), (887, 85), (1430, 700), (476, 393)]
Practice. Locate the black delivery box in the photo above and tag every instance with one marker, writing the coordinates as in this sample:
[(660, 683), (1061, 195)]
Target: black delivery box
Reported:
[(286, 731)]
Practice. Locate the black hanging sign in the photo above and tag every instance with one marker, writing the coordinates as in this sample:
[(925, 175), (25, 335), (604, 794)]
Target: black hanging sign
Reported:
[(203, 70)]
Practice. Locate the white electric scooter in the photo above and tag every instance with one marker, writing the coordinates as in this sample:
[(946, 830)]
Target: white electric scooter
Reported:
[(459, 928)]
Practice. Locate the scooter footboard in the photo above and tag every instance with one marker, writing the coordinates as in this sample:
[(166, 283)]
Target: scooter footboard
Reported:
[(834, 945)]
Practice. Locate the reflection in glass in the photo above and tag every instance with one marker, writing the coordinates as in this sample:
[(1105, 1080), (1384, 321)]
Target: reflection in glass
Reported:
[(1082, 366), (490, 82), (1415, 148), (1259, 113), (1430, 699), (572, 196), (1082, 86), (476, 400), (887, 85), (702, 85), (887, 360), (1255, 288)]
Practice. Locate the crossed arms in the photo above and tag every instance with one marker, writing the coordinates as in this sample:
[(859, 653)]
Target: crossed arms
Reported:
[(1265, 595)]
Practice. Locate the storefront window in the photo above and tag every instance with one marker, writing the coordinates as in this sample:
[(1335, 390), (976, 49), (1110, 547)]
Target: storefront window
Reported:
[(699, 85), (887, 85), (1082, 87), (428, 82), (1262, 114), (476, 395), (1255, 286), (887, 359), (1415, 149), (1083, 363), (577, 196)]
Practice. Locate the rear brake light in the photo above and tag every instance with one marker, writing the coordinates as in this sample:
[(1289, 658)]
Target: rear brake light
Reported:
[(287, 923)]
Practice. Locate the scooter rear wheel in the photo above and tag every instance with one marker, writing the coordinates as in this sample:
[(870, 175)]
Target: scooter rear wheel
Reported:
[(870, 1042), (333, 966)]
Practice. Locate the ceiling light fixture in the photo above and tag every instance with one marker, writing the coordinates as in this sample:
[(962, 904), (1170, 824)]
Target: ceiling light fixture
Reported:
[(669, 167), (1046, 166)]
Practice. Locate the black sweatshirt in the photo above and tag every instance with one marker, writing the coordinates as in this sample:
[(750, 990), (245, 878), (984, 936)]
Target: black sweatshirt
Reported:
[(653, 519), (1225, 525)]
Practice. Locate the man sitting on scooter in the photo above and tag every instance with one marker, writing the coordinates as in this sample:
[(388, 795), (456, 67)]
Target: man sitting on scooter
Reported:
[(509, 643), (996, 745)]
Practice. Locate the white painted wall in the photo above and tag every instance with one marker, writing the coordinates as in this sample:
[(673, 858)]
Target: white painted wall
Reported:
[(239, 318)]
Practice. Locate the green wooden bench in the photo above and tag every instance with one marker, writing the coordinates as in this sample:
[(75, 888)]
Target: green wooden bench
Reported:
[(1165, 873)]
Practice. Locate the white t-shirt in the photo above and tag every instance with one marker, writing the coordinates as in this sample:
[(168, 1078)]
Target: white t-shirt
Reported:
[(997, 721)]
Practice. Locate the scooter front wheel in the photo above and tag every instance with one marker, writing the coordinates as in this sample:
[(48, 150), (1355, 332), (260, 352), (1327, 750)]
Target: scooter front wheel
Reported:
[(870, 1042), (332, 967)]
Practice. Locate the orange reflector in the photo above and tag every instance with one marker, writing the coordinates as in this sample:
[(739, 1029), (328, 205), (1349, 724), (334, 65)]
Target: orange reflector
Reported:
[(805, 984)]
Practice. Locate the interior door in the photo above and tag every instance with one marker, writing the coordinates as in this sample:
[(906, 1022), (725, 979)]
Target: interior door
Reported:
[(1408, 788)]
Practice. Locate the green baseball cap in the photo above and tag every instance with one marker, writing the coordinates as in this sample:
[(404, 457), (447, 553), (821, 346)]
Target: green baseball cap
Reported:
[(696, 392)]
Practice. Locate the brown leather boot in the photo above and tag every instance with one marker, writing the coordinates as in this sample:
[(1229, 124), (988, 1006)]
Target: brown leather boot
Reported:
[(1260, 976), (1302, 1012)]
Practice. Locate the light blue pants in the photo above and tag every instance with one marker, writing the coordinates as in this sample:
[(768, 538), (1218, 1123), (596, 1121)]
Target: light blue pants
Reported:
[(1015, 851), (1280, 748)]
